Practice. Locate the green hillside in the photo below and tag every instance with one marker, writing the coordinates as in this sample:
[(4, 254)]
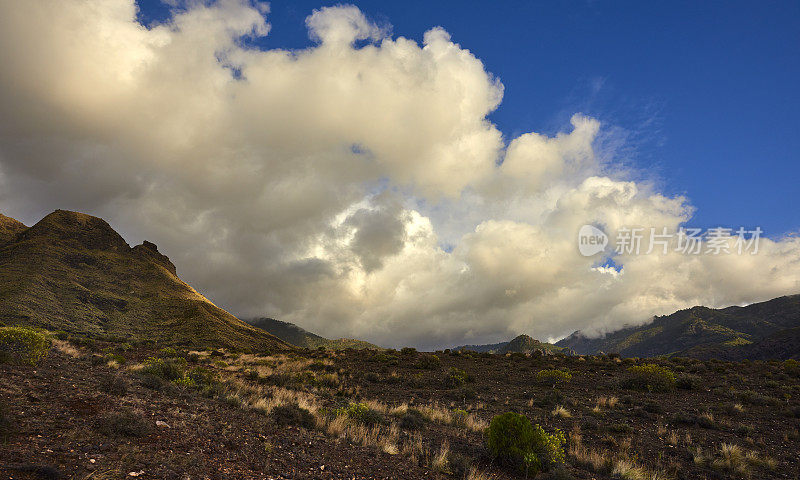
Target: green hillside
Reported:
[(291, 333), (731, 333), (72, 272)]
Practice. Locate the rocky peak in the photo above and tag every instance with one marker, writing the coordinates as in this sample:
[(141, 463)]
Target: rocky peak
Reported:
[(150, 250)]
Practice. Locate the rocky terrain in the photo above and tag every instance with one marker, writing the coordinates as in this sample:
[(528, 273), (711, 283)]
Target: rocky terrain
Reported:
[(100, 409)]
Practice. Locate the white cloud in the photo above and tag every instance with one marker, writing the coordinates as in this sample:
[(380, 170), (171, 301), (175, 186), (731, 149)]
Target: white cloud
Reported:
[(355, 187)]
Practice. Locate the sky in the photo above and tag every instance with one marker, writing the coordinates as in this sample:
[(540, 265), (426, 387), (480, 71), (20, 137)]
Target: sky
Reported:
[(705, 92), (416, 174)]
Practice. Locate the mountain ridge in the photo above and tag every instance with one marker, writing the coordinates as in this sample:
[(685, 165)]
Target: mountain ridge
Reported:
[(519, 344), (300, 337), (73, 272), (733, 333)]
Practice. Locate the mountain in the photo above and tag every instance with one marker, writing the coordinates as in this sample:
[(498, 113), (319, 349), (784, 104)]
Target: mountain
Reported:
[(10, 228), (73, 272), (521, 344), (291, 333), (761, 330)]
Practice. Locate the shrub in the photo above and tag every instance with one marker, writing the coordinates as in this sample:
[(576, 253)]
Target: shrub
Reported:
[(114, 385), (361, 412), (792, 367), (513, 439), (170, 370), (169, 352), (549, 399), (293, 414), (125, 424), (688, 382), (412, 420), (428, 362), (460, 417), (22, 345), (455, 378), (5, 420), (193, 358), (114, 357), (553, 377), (650, 377), (152, 382), (408, 351)]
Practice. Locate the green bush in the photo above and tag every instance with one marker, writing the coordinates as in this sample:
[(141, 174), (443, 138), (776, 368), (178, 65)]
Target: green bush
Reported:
[(361, 413), (114, 357), (553, 377), (124, 424), (169, 352), (650, 377), (792, 367), (513, 439), (428, 362), (293, 414), (455, 378), (170, 370), (22, 345)]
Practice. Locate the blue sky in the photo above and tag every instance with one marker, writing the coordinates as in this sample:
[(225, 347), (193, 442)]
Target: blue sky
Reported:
[(704, 93)]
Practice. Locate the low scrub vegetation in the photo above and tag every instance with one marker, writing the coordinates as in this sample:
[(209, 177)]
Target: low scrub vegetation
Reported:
[(514, 440), (650, 377), (23, 345), (293, 414), (553, 377), (125, 423)]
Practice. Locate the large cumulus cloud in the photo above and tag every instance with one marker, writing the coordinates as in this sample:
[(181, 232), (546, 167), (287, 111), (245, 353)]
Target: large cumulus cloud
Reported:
[(355, 187)]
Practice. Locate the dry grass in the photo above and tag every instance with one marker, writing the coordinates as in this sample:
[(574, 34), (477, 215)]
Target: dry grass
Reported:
[(618, 464), (628, 470), (607, 402), (66, 348), (562, 412), (475, 474), (439, 462)]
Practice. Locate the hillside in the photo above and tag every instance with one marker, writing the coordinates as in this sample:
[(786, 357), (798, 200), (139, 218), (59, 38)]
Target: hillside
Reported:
[(522, 344), (291, 333), (10, 228), (73, 272), (760, 330)]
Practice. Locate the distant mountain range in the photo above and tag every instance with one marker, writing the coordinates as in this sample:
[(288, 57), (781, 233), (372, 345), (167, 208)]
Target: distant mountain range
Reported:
[(291, 333), (766, 330), (520, 344), (72, 272)]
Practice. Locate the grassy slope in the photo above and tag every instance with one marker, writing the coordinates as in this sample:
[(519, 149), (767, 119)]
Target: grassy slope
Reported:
[(73, 272), (291, 333), (700, 331), (9, 228)]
